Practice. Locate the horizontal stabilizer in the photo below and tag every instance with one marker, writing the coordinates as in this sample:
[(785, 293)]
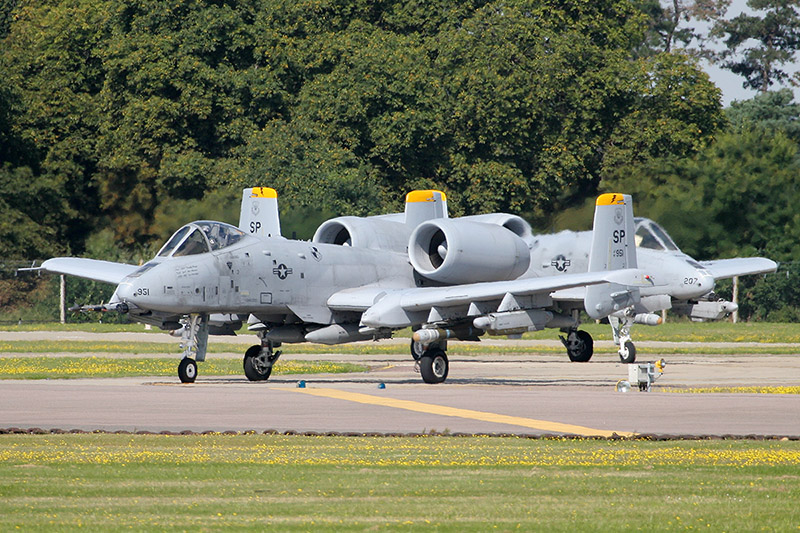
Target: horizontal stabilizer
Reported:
[(93, 269), (740, 266)]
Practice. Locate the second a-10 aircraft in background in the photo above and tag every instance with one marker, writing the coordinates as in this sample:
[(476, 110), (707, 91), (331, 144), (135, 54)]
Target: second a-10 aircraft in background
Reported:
[(363, 278), (681, 284)]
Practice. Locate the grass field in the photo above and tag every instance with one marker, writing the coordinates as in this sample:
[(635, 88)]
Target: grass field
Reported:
[(103, 367), (102, 482)]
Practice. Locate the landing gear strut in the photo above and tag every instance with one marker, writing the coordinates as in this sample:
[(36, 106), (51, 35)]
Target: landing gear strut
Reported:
[(579, 345), (194, 341), (259, 360)]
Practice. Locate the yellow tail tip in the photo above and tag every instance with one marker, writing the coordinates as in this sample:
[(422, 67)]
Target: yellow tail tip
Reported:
[(424, 196), (263, 192), (611, 198)]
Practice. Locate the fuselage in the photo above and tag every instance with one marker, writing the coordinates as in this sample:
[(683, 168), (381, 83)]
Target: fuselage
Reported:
[(210, 267), (269, 276), (673, 272)]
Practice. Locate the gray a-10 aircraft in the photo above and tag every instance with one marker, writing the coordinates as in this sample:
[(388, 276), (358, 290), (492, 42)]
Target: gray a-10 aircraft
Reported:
[(363, 278), (681, 283)]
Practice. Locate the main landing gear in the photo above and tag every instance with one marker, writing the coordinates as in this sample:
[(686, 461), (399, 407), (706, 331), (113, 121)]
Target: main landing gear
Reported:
[(259, 360), (431, 360), (579, 345)]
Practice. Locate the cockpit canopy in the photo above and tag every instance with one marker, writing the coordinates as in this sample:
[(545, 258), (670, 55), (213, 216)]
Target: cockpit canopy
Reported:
[(201, 237), (651, 235)]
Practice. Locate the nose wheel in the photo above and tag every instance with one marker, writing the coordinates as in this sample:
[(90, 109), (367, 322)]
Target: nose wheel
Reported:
[(187, 370), (627, 352)]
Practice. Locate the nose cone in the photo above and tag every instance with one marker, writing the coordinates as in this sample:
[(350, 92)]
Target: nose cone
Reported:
[(705, 282), (125, 291)]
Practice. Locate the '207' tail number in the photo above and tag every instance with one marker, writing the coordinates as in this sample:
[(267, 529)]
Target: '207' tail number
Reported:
[(689, 281)]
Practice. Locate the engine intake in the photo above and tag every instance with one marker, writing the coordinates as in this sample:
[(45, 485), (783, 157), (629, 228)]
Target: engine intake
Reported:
[(466, 251), (377, 233)]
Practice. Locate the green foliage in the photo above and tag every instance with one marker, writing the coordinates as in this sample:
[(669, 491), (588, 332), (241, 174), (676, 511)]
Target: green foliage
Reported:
[(675, 113), (776, 32), (773, 297), (737, 197), (343, 105), (771, 110), (6, 16), (673, 23)]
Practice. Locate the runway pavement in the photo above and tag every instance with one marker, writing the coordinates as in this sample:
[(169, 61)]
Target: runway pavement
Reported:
[(523, 395)]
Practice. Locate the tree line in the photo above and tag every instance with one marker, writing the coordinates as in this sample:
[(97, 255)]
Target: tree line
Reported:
[(117, 118)]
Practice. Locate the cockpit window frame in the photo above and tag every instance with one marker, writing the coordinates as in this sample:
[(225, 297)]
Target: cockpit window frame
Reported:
[(215, 236), (656, 237), (195, 243)]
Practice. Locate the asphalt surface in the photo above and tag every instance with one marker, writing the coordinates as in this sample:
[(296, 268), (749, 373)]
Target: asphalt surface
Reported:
[(522, 395)]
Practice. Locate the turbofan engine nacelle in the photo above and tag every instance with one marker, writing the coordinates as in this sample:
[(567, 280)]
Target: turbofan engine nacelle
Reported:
[(377, 233), (466, 251)]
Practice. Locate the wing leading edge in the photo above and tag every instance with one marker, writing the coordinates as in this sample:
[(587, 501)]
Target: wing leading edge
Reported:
[(395, 308), (94, 269), (740, 266)]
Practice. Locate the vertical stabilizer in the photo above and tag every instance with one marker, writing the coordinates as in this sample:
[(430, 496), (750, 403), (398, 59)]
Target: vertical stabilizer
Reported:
[(259, 215), (613, 248), (424, 205)]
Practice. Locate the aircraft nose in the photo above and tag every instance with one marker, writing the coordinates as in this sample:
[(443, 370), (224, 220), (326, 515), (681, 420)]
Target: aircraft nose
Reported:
[(706, 282), (125, 291)]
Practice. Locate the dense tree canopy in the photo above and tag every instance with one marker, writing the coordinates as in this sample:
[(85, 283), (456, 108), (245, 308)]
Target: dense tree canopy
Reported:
[(759, 45), (118, 108)]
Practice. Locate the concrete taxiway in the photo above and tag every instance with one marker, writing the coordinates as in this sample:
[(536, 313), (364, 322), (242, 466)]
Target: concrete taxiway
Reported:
[(525, 395)]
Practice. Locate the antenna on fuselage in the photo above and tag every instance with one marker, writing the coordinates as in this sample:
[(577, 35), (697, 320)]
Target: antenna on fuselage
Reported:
[(259, 215)]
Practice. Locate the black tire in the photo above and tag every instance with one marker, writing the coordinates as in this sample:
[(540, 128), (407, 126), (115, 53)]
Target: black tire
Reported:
[(584, 349), (187, 370), (631, 357), (417, 350), (252, 351), (253, 370), (433, 366)]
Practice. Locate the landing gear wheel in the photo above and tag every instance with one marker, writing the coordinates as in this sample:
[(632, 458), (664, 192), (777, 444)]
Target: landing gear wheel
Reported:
[(627, 354), (580, 346), (187, 370), (256, 365), (433, 366), (417, 350)]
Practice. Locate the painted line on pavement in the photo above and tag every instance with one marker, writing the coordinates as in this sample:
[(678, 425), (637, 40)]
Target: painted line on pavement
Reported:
[(408, 405)]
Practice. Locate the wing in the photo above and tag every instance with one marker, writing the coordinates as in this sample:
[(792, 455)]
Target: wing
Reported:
[(93, 269), (740, 266), (397, 308)]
